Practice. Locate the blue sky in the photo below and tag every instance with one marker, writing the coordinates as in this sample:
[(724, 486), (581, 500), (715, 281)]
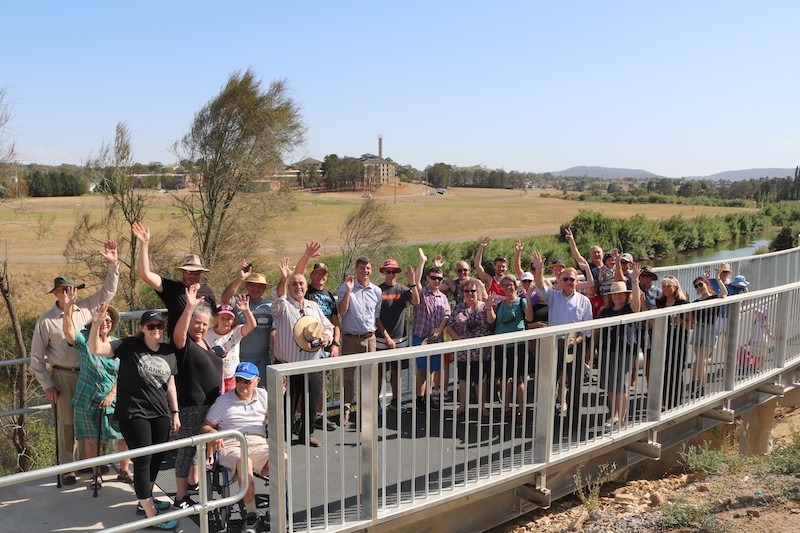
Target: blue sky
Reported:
[(677, 88)]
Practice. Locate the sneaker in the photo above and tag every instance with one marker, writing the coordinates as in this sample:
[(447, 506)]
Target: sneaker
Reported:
[(69, 478), (250, 523), (160, 505), (435, 400), (183, 503), (312, 441), (345, 416), (420, 404), (169, 525), (319, 423)]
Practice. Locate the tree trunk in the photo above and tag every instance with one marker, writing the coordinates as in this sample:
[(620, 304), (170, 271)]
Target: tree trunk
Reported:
[(20, 431)]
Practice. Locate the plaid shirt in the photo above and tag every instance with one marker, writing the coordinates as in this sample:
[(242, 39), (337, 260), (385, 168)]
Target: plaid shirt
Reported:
[(429, 313)]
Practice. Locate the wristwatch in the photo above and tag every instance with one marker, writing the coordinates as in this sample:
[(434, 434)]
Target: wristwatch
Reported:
[(335, 343)]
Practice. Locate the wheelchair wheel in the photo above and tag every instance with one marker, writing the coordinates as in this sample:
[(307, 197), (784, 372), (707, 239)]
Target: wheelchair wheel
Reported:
[(218, 488)]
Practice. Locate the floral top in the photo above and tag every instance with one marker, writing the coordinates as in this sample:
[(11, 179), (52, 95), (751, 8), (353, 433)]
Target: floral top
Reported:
[(469, 324)]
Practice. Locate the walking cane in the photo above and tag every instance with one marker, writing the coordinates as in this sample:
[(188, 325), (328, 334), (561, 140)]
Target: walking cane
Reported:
[(100, 412), (58, 461)]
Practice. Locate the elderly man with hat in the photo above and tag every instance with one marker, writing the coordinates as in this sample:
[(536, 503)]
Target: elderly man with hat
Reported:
[(302, 331), (245, 409), (50, 346), (171, 292), (254, 348), (327, 302)]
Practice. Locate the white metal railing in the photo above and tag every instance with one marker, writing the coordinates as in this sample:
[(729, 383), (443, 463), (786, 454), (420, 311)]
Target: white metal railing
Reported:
[(202, 508), (392, 462), (762, 271)]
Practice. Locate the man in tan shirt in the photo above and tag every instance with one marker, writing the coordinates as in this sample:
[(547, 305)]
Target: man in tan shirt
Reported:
[(49, 346)]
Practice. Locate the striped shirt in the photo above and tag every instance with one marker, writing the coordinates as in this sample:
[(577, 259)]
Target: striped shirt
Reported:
[(287, 311), (429, 313)]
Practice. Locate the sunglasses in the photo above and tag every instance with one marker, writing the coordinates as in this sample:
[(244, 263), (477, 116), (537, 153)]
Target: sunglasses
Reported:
[(391, 271), (151, 327), (698, 285), (527, 281), (568, 279), (470, 291), (462, 270), (436, 278), (243, 380)]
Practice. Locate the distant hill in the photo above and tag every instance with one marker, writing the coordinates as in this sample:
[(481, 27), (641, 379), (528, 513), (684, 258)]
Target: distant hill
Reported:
[(604, 172), (749, 174)]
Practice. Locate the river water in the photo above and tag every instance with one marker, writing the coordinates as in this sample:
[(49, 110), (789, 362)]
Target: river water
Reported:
[(741, 247)]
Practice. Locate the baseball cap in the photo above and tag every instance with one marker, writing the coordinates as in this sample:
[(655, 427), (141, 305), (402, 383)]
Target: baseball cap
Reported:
[(149, 316), (526, 276), (626, 257), (247, 371), (389, 264), (320, 266), (225, 309)]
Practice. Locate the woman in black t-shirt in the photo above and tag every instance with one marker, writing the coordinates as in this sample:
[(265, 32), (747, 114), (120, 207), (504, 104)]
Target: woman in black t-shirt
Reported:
[(147, 402), (617, 347)]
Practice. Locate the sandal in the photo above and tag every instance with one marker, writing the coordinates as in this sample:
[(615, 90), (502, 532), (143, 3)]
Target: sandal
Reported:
[(97, 482), (125, 477)]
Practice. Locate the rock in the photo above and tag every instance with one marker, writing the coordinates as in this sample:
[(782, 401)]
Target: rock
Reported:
[(657, 499), (753, 513), (695, 476), (702, 487), (626, 499), (577, 524), (724, 502), (795, 511)]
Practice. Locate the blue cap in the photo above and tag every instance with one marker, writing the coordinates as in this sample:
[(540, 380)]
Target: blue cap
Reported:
[(247, 371), (740, 281)]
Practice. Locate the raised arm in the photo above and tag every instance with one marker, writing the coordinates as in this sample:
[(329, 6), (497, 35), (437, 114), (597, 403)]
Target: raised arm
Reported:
[(723, 289), (283, 267), (71, 295), (312, 251), (243, 305), (109, 288), (618, 275), (344, 297), (587, 271), (573, 248), (518, 258), (96, 345), (636, 291), (230, 290), (420, 267), (143, 259), (482, 275), (413, 284), (538, 265), (182, 327)]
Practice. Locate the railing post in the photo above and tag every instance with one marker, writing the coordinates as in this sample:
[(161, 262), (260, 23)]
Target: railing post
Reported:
[(202, 486), (782, 327), (368, 417), (658, 365), (545, 399), (732, 345), (277, 445)]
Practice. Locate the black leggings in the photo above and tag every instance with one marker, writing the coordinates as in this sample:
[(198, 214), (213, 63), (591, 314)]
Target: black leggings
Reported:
[(140, 432), (297, 391)]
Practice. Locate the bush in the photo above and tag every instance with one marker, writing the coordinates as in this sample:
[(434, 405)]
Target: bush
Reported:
[(706, 460), (55, 183)]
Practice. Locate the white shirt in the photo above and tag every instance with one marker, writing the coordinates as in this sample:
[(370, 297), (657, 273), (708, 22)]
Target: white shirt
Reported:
[(231, 412)]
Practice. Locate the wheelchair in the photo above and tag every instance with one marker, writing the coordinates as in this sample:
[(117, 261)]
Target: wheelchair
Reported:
[(218, 482)]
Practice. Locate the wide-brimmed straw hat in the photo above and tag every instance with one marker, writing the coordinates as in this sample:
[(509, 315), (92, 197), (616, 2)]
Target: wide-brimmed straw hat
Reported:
[(257, 278), (191, 263), (618, 286), (307, 331)]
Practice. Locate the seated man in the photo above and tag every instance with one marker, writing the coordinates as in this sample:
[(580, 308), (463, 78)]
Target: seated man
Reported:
[(244, 408)]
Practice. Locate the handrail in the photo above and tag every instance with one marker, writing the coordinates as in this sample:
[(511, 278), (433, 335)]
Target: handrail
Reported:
[(202, 508)]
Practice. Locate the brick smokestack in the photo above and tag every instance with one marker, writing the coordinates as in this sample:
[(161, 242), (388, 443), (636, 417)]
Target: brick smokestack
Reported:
[(380, 146)]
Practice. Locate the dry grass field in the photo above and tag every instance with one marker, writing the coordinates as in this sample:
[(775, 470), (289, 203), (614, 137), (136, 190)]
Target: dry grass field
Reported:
[(35, 230)]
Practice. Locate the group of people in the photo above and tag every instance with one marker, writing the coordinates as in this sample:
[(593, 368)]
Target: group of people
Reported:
[(206, 375)]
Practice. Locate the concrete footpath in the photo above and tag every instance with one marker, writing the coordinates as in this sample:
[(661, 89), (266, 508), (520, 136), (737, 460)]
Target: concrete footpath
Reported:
[(39, 506)]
